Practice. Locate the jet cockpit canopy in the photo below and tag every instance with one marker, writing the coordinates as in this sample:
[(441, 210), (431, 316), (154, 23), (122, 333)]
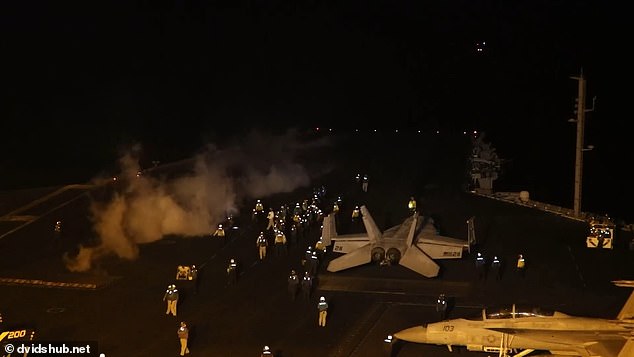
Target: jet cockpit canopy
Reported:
[(513, 312)]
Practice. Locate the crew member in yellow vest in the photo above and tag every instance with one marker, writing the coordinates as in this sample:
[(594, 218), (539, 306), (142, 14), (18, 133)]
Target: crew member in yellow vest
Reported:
[(356, 213), (521, 265), (320, 248), (411, 205), (220, 232), (259, 208), (280, 243)]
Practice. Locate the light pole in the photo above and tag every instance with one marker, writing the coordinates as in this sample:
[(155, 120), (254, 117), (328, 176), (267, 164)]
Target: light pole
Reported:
[(580, 110)]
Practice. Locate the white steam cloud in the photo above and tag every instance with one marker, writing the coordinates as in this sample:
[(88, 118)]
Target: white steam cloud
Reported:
[(146, 208)]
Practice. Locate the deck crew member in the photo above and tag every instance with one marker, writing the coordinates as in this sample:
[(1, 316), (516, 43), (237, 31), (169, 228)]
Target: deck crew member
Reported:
[(183, 336), (322, 306), (496, 268), (232, 272), (171, 296), (364, 184), (307, 285), (280, 243), (220, 232), (355, 214), (266, 352), (261, 243), (480, 264), (441, 306), (521, 265), (293, 285), (411, 205), (271, 217)]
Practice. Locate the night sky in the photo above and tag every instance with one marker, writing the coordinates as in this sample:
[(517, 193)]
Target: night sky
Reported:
[(82, 79)]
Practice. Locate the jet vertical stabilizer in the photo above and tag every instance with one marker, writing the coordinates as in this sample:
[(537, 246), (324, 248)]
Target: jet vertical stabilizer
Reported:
[(370, 226), (328, 229), (412, 230)]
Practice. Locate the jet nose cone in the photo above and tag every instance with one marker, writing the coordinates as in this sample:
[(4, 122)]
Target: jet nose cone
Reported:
[(416, 334)]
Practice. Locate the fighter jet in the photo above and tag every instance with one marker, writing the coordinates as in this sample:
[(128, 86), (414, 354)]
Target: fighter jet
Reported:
[(522, 330), (413, 244)]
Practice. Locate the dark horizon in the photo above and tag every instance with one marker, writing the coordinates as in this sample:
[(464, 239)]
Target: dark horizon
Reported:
[(415, 63), (82, 80)]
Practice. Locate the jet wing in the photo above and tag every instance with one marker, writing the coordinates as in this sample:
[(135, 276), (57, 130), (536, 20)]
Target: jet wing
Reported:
[(441, 247), (627, 311), (438, 239), (428, 234), (355, 258), (416, 260), (628, 349), (601, 344), (606, 348)]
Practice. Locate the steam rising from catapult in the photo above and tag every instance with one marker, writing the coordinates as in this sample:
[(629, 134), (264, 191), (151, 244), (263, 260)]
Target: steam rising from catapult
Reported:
[(145, 209)]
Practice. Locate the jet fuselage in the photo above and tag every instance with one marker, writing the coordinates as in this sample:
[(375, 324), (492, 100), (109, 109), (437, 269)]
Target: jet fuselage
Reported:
[(555, 334)]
